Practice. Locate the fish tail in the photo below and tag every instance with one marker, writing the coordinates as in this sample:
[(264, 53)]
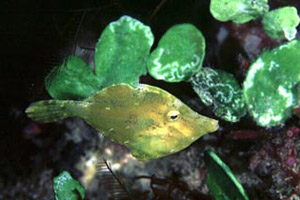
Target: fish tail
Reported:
[(51, 110)]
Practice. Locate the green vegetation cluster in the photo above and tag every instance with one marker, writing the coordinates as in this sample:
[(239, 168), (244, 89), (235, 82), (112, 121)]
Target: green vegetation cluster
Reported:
[(279, 24), (220, 89), (67, 188), (270, 88), (123, 55), (238, 11)]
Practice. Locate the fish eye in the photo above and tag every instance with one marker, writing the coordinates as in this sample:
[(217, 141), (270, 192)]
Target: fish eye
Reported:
[(173, 115)]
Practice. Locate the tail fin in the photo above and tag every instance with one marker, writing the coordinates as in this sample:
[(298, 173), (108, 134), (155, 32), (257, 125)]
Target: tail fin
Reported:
[(49, 110)]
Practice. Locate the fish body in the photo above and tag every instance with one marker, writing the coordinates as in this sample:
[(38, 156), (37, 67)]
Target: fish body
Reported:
[(151, 122)]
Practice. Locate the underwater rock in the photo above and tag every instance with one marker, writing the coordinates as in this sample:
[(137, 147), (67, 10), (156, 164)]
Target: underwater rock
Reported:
[(270, 86), (220, 89), (179, 54), (122, 51), (67, 188), (238, 11), (281, 23), (37, 186), (72, 80), (276, 157)]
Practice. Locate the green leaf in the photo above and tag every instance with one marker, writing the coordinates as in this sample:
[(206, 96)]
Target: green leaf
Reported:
[(122, 51), (67, 188), (220, 89), (179, 54), (270, 86), (281, 23), (221, 182), (238, 11), (72, 80)]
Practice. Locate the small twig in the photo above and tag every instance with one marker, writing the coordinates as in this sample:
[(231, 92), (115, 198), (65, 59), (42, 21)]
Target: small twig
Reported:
[(155, 11), (87, 48), (78, 29)]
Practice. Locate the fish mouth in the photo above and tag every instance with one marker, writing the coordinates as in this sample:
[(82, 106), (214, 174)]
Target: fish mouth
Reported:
[(204, 126), (203, 123), (214, 125), (209, 125)]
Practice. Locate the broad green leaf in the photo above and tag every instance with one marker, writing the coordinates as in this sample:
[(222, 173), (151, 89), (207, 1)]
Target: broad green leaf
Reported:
[(122, 51), (221, 182), (73, 80), (238, 11), (67, 188), (220, 89), (281, 23), (179, 54), (270, 86)]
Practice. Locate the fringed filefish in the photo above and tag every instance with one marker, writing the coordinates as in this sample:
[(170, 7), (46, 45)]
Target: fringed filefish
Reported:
[(151, 122)]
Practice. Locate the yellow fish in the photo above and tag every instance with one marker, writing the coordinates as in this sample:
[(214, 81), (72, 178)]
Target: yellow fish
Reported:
[(151, 122)]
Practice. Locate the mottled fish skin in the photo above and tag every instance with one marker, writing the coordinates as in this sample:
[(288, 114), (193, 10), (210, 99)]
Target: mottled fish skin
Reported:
[(148, 120)]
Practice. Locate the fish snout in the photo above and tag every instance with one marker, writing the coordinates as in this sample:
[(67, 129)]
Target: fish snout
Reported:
[(214, 125), (205, 125)]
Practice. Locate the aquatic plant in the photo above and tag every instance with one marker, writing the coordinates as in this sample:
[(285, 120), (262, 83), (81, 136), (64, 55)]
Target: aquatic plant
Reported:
[(179, 54), (121, 57), (171, 61), (122, 54), (220, 89), (270, 86), (122, 51), (238, 11), (222, 183), (274, 95), (67, 188), (281, 23), (72, 80)]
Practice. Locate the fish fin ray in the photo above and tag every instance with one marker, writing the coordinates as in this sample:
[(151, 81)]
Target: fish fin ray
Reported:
[(49, 110)]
